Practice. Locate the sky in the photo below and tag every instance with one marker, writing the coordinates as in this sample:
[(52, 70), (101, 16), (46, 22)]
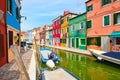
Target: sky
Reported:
[(42, 12)]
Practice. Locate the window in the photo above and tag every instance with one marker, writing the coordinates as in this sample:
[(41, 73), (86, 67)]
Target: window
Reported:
[(89, 8), (67, 19), (67, 29), (73, 27), (81, 25), (17, 14), (115, 0), (1, 46), (117, 18), (64, 40), (106, 20), (82, 42), (89, 24), (61, 21), (118, 41), (9, 6), (10, 38), (104, 2)]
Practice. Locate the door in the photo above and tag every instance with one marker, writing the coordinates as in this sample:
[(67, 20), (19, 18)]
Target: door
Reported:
[(3, 32), (77, 42)]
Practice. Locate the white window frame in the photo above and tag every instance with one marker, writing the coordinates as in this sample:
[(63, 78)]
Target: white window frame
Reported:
[(80, 24), (80, 42), (113, 16), (109, 20), (91, 24)]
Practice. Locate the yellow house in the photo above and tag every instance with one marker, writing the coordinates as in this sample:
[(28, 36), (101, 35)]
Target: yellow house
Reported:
[(64, 42)]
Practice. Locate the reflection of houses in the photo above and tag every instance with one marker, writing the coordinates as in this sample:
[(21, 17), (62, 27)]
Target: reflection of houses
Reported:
[(56, 31), (103, 19), (24, 36), (77, 31), (13, 24), (3, 27), (42, 35), (65, 28)]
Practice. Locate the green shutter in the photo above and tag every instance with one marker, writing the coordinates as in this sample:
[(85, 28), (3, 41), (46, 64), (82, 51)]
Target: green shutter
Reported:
[(109, 1), (115, 18), (90, 24), (103, 2), (106, 20), (99, 41), (82, 41)]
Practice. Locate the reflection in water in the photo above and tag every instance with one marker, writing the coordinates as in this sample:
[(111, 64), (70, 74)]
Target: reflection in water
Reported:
[(87, 69)]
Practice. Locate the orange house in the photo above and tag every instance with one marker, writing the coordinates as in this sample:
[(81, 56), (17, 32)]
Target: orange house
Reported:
[(103, 25)]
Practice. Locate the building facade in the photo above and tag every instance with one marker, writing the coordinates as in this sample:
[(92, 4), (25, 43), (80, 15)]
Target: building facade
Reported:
[(37, 36), (42, 35), (3, 32), (47, 34), (77, 32), (13, 24), (51, 35), (56, 31), (64, 41), (103, 19)]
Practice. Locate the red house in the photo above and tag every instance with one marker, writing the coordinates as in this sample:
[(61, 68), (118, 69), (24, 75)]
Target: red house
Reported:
[(3, 32), (56, 31)]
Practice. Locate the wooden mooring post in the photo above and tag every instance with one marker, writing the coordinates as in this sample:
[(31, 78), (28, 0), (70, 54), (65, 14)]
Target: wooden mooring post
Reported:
[(18, 59)]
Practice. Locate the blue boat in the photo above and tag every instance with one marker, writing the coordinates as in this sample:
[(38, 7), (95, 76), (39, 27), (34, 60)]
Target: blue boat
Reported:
[(47, 54)]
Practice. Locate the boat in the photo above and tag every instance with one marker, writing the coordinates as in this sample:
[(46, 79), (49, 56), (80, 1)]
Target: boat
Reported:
[(58, 74), (113, 57), (47, 54)]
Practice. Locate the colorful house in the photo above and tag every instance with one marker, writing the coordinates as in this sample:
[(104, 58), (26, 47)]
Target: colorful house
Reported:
[(50, 35), (30, 36), (56, 31), (24, 36), (103, 25), (42, 35), (47, 34), (37, 36), (64, 41), (13, 24), (3, 31), (77, 31)]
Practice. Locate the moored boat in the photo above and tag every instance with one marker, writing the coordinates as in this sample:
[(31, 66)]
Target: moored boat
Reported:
[(113, 57), (58, 74), (47, 54)]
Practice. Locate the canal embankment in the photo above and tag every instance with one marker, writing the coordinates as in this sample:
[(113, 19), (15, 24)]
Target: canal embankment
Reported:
[(79, 51)]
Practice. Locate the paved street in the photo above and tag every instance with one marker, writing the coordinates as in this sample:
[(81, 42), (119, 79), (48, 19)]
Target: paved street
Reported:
[(10, 70)]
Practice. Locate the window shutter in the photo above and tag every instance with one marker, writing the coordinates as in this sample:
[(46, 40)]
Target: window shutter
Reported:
[(109, 1), (106, 20), (90, 23), (103, 1), (115, 18)]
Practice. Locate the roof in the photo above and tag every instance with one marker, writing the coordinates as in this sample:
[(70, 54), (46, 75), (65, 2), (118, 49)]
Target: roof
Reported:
[(88, 1), (78, 15)]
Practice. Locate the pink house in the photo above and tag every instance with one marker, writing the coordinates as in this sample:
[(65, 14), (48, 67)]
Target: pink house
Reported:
[(56, 31), (42, 35), (103, 25)]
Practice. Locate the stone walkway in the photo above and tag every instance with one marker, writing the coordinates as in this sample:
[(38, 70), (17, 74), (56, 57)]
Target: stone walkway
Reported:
[(85, 52), (10, 70)]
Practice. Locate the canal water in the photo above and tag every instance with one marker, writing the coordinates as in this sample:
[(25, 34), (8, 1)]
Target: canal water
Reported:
[(86, 67)]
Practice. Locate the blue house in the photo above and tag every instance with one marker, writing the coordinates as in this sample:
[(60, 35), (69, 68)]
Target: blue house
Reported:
[(13, 24)]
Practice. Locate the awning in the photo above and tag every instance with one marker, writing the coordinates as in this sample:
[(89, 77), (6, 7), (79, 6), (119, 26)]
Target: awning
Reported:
[(114, 35)]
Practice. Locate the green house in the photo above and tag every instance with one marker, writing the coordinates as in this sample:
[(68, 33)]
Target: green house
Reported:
[(77, 32)]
